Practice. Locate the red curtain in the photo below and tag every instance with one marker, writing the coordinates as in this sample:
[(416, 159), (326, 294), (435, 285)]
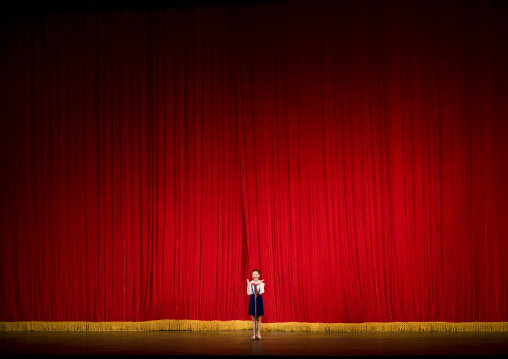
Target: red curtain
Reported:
[(354, 152)]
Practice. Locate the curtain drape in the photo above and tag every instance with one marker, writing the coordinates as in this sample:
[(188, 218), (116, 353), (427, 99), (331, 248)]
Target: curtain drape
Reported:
[(353, 152)]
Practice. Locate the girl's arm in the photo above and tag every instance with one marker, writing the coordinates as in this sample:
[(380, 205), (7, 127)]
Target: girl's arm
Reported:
[(261, 287), (249, 291)]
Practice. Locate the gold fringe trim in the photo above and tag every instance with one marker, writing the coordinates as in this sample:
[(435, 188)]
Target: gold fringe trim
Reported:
[(198, 325)]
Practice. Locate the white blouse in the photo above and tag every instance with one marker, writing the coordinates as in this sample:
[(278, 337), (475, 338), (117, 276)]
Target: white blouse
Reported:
[(250, 288)]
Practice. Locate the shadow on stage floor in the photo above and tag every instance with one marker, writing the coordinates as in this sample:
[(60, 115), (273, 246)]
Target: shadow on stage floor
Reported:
[(239, 343)]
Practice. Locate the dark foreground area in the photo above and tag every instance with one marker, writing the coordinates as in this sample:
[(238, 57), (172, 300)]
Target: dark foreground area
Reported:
[(239, 343)]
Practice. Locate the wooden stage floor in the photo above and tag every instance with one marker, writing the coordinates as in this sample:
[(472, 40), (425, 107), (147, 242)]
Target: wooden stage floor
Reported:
[(239, 343)]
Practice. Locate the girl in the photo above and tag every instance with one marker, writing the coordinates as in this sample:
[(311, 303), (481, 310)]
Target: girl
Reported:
[(255, 288)]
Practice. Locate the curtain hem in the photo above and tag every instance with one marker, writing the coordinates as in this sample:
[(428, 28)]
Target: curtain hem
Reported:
[(198, 325)]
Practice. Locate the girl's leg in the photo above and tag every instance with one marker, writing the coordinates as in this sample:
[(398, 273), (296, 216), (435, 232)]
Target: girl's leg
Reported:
[(254, 327), (259, 326)]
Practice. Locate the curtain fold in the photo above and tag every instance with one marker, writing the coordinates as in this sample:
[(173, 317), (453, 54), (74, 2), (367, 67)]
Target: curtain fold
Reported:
[(353, 152)]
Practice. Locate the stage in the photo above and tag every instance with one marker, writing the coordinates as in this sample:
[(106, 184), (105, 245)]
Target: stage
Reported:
[(239, 343), (158, 155)]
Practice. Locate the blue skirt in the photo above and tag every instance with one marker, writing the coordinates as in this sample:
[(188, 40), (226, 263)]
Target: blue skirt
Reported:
[(259, 303)]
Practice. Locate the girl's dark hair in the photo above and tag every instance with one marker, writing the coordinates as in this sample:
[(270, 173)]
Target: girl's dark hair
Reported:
[(256, 270)]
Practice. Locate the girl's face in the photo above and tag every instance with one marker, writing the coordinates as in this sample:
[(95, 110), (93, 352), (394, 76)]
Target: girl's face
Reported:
[(255, 275)]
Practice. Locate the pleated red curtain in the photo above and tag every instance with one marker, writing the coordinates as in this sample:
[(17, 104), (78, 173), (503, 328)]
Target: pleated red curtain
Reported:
[(354, 152)]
